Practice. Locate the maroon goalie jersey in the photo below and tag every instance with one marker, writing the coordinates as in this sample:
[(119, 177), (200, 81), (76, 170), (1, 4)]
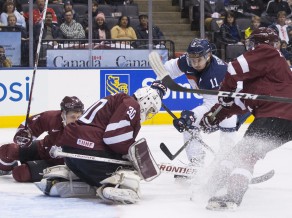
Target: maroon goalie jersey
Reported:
[(262, 71), (111, 124)]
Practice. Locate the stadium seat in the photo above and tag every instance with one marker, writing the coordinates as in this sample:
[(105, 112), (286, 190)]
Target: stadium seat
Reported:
[(111, 21), (134, 22), (232, 51), (106, 9), (243, 23), (129, 10), (81, 9)]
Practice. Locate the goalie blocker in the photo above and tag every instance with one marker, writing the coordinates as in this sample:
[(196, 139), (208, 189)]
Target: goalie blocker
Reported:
[(123, 186)]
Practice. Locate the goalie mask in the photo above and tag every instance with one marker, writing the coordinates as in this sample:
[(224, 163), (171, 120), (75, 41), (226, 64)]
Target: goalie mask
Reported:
[(72, 108), (198, 53), (262, 35), (149, 101)]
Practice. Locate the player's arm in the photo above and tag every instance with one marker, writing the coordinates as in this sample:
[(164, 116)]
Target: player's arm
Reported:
[(24, 136)]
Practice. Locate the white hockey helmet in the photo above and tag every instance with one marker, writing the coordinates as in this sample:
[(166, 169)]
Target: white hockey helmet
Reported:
[(149, 101)]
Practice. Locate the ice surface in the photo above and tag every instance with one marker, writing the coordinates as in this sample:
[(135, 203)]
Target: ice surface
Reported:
[(163, 197)]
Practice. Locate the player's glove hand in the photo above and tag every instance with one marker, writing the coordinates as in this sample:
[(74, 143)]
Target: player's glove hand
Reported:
[(159, 87), (185, 122), (23, 137), (226, 102), (210, 121)]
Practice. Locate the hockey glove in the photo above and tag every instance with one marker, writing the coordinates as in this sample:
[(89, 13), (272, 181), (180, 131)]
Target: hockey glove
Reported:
[(159, 87), (23, 137), (226, 102), (212, 118), (185, 122)]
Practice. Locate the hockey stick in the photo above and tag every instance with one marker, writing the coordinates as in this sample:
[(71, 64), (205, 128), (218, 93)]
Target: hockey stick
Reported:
[(165, 149), (36, 62), (57, 152), (161, 72), (263, 177), (164, 167)]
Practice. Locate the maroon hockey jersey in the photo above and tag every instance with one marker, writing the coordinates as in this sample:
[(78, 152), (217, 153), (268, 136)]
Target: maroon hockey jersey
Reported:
[(263, 71), (110, 124), (50, 122)]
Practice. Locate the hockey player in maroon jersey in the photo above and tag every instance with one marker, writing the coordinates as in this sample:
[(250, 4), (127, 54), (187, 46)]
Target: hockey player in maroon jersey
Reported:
[(34, 154), (107, 129), (262, 69)]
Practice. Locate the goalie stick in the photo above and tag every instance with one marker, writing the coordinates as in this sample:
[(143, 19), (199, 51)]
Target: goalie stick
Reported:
[(161, 72), (164, 167), (165, 149)]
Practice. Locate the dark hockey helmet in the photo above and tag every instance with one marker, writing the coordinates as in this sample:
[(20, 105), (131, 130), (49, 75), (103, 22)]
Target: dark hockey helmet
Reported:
[(198, 48), (72, 104), (262, 35)]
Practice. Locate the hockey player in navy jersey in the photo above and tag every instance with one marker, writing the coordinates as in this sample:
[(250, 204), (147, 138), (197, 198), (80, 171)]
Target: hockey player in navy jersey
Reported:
[(203, 71)]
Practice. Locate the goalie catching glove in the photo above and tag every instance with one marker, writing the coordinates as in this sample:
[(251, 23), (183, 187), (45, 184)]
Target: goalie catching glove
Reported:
[(23, 137), (185, 122)]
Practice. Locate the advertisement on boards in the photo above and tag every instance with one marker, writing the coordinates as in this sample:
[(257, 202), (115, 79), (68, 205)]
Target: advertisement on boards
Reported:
[(118, 58), (128, 81)]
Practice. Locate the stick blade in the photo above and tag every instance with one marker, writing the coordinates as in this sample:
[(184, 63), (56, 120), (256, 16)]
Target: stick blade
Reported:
[(166, 151), (157, 65), (263, 178)]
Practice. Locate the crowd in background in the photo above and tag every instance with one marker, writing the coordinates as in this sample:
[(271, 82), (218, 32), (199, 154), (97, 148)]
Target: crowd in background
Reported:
[(275, 14), (68, 22)]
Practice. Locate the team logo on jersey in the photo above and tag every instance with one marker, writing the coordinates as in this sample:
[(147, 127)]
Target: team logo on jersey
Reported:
[(117, 83), (85, 143)]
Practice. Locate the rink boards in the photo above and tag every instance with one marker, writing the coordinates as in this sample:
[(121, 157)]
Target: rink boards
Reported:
[(51, 85)]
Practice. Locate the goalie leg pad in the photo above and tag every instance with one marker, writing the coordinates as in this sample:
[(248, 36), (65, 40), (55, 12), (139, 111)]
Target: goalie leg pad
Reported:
[(61, 181), (66, 189), (123, 186)]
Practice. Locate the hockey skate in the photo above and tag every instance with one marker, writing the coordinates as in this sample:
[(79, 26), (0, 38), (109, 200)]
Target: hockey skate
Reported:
[(220, 203)]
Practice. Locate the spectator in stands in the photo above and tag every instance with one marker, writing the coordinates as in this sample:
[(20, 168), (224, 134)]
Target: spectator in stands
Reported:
[(4, 61), (16, 3), (229, 33), (281, 27), (255, 23), (94, 13), (38, 13), (274, 6), (123, 30), (13, 27), (287, 54), (229, 30), (51, 31), (101, 30), (142, 32), (8, 9), (253, 7), (68, 6), (70, 28)]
